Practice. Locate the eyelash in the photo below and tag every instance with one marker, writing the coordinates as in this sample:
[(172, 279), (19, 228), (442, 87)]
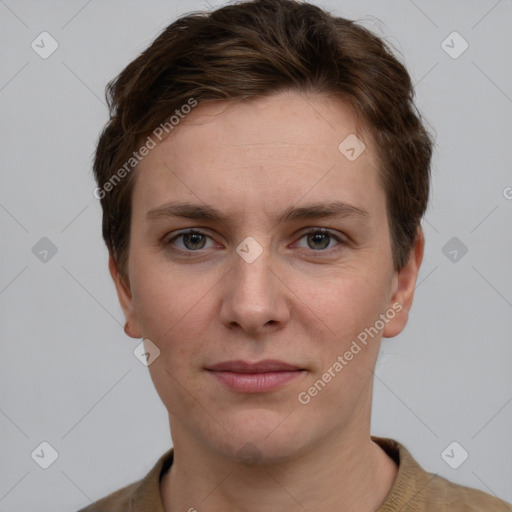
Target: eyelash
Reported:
[(310, 232)]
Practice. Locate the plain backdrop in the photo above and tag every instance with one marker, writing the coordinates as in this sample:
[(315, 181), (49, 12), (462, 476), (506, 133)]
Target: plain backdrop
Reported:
[(68, 375)]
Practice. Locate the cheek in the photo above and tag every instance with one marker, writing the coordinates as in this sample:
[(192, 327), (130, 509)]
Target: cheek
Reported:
[(174, 318), (174, 312), (161, 294), (350, 300), (349, 313)]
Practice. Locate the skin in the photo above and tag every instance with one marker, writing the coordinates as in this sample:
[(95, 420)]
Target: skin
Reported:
[(302, 301)]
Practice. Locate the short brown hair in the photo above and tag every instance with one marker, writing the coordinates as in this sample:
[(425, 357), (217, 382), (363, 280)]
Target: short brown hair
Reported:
[(252, 49)]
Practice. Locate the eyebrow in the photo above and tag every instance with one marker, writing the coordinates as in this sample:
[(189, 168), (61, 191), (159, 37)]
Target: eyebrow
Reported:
[(335, 209)]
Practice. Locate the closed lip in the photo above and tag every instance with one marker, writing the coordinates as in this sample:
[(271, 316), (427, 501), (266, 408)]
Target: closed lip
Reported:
[(265, 366)]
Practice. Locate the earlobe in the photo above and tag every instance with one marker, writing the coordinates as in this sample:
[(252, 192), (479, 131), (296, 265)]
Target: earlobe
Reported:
[(404, 284), (125, 297)]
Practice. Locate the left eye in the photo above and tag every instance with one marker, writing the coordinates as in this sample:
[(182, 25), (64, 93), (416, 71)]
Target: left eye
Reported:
[(319, 239)]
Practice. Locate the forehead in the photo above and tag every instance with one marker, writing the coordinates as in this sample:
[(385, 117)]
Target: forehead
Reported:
[(285, 123), (262, 153)]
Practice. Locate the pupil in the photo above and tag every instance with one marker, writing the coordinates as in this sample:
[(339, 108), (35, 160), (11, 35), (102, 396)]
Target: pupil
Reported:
[(318, 239), (195, 239)]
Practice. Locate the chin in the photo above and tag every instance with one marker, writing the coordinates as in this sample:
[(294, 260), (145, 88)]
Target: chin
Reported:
[(263, 436), (256, 452)]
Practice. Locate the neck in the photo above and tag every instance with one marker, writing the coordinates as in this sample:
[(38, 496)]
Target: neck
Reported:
[(353, 473)]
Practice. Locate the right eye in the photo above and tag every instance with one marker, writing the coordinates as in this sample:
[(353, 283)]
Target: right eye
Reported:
[(192, 240)]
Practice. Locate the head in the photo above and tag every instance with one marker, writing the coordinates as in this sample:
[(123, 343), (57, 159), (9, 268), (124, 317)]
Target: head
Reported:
[(288, 141)]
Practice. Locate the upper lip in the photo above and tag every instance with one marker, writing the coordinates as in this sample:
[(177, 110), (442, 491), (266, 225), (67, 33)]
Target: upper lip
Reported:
[(267, 365)]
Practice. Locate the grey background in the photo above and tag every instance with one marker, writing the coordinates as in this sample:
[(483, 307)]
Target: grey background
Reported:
[(68, 375)]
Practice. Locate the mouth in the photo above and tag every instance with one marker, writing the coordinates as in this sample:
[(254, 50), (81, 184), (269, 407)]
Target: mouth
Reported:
[(259, 377)]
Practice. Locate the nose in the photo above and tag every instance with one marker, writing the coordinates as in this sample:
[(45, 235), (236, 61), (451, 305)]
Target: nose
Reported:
[(254, 298)]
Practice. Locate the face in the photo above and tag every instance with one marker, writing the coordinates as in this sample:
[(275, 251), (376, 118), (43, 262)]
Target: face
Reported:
[(254, 239)]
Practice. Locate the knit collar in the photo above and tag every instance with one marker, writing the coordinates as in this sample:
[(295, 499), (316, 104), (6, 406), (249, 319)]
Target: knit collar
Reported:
[(407, 493)]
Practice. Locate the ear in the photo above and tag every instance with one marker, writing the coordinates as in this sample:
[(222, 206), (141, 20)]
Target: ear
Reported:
[(124, 295), (404, 283)]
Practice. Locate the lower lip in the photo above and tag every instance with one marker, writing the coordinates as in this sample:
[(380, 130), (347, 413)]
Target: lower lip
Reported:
[(256, 382)]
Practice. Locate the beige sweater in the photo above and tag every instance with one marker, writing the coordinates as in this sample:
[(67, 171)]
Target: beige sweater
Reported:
[(414, 490)]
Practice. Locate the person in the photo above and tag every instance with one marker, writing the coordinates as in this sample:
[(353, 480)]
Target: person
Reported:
[(238, 141)]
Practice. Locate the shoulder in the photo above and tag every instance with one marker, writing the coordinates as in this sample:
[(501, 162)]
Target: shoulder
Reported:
[(144, 494), (417, 490), (118, 501), (445, 495)]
